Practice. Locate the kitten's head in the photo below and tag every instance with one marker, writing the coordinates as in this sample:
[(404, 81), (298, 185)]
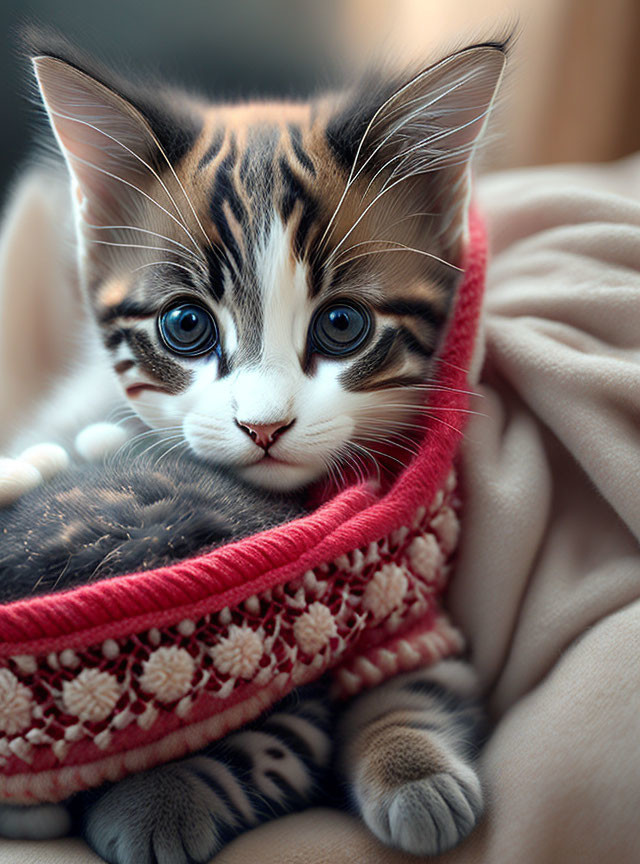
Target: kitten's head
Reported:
[(273, 280)]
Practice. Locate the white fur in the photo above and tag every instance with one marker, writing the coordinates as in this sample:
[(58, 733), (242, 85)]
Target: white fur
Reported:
[(48, 459), (273, 389), (99, 440), (16, 478)]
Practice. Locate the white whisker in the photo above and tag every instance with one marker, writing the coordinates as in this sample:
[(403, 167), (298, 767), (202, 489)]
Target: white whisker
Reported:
[(163, 263), (374, 120), (97, 129), (400, 248), (143, 246), (386, 440), (146, 231)]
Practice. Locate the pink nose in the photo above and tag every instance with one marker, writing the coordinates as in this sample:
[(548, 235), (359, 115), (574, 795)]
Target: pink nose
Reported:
[(264, 434)]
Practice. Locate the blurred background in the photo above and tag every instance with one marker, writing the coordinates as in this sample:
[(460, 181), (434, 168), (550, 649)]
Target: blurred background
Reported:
[(573, 91)]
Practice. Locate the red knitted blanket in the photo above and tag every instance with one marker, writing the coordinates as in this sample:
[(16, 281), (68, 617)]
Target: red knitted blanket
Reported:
[(126, 673)]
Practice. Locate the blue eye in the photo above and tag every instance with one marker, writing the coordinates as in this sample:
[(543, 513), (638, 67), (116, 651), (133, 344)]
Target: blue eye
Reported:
[(188, 329), (340, 328)]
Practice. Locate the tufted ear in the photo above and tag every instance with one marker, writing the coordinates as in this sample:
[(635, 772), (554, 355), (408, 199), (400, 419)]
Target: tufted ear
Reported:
[(113, 135), (418, 135)]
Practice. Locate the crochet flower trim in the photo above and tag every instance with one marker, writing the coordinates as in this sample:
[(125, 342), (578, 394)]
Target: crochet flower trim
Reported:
[(349, 614)]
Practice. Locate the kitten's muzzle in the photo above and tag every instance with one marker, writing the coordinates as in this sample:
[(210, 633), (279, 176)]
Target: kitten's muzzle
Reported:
[(264, 434)]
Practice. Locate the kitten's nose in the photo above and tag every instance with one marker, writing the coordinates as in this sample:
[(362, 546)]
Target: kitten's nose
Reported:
[(264, 434)]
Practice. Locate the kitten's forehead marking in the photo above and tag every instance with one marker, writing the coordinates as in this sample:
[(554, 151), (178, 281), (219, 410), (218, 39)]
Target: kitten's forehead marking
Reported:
[(257, 159), (283, 290), (258, 192)]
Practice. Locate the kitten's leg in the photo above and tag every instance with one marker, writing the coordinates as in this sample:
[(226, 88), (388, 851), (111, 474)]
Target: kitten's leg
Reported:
[(185, 811), (407, 751), (36, 822)]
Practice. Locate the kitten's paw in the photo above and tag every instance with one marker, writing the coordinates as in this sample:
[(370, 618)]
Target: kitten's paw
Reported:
[(99, 440), (37, 822), (169, 815), (426, 816)]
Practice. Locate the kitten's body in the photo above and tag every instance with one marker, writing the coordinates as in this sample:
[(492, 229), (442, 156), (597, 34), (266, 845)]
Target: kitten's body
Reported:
[(128, 514), (139, 512), (254, 299)]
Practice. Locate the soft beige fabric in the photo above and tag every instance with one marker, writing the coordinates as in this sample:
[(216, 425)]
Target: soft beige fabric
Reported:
[(39, 295), (548, 584)]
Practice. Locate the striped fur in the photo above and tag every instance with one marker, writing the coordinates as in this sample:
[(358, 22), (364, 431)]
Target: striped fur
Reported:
[(404, 751), (264, 214), (407, 752), (184, 812)]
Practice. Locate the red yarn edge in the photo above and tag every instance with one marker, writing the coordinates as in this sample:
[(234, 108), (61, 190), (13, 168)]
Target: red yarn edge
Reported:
[(225, 576)]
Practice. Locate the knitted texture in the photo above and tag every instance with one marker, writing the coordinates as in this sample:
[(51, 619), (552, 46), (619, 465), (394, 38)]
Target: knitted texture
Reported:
[(126, 673)]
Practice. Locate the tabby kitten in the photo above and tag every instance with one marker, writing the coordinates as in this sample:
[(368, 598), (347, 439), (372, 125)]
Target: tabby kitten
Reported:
[(98, 521), (271, 282)]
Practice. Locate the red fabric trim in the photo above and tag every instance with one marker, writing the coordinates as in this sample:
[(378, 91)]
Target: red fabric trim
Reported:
[(226, 576)]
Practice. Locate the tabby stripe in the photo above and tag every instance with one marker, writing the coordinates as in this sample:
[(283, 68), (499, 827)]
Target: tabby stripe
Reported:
[(224, 776), (316, 272), (173, 377), (224, 183), (126, 309), (213, 149), (295, 133), (413, 344), (136, 389), (423, 309), (224, 191), (291, 739), (400, 381), (382, 355), (283, 783), (123, 366), (294, 191), (215, 265), (115, 339), (218, 789)]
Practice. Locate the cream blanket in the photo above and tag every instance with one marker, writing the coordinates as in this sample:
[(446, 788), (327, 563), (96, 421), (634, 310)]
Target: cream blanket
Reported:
[(548, 584)]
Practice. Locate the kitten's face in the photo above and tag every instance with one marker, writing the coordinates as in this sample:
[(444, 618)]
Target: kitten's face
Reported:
[(273, 281)]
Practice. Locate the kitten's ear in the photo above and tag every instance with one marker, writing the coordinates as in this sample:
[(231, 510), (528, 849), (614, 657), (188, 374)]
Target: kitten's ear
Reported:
[(421, 134), (111, 143)]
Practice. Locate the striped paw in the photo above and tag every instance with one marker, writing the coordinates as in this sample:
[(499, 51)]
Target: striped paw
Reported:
[(408, 750), (185, 812), (29, 469), (426, 816)]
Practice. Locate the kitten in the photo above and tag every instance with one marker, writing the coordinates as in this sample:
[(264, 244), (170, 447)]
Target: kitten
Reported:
[(131, 513), (98, 521), (272, 282)]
